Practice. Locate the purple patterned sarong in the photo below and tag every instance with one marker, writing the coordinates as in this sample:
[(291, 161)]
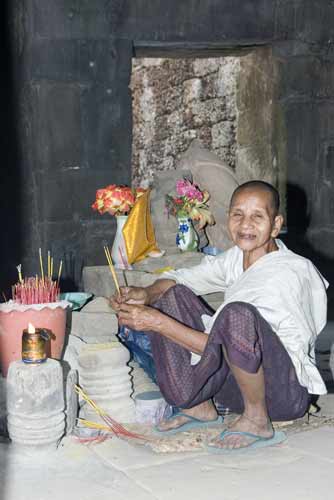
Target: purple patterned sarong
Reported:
[(249, 342)]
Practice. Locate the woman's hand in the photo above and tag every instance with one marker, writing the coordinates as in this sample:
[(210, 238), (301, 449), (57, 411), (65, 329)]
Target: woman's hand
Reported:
[(140, 317), (140, 295), (129, 295), (148, 319)]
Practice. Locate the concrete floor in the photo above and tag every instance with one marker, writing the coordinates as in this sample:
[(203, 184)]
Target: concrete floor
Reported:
[(301, 468)]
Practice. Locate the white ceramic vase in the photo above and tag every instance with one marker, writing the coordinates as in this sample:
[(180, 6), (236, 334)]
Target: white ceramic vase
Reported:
[(186, 237), (118, 251)]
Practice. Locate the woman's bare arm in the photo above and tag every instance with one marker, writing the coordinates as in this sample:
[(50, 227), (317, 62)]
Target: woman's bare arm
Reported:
[(141, 295), (145, 318)]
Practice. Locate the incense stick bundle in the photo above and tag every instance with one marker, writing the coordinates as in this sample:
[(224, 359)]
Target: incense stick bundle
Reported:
[(19, 270), (59, 271), (41, 263), (125, 279), (113, 426), (36, 290), (123, 259), (111, 267)]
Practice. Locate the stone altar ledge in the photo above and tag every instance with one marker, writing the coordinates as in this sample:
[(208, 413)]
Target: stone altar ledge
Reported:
[(98, 279)]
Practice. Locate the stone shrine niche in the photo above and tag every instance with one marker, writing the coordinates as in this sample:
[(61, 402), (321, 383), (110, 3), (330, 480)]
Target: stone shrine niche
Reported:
[(176, 101), (228, 103)]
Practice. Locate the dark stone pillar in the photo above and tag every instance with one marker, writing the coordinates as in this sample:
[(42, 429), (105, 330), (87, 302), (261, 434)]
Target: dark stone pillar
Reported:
[(308, 101), (74, 136), (10, 170)]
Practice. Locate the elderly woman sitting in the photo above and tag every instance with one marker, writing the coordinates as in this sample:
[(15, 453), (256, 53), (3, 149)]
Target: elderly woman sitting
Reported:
[(255, 355)]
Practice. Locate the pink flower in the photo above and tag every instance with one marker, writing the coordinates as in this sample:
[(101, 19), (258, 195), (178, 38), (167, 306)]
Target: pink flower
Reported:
[(190, 201), (181, 187), (189, 190)]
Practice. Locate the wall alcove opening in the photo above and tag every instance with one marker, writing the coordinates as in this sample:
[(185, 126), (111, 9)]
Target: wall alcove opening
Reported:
[(226, 99)]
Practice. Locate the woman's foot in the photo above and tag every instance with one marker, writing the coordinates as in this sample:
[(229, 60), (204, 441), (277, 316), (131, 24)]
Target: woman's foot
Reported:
[(205, 411), (259, 426)]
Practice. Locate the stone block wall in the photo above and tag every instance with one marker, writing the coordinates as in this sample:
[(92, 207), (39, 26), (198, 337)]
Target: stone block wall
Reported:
[(67, 116), (176, 101)]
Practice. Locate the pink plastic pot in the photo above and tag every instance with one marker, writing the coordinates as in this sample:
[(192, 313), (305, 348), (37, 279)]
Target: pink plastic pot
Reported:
[(13, 322)]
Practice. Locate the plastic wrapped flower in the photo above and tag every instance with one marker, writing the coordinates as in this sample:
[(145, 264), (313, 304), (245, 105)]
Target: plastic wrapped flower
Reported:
[(116, 200)]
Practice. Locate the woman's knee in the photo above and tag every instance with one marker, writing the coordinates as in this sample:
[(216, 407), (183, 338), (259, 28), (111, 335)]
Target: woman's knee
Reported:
[(237, 322), (178, 291), (174, 295), (240, 309)]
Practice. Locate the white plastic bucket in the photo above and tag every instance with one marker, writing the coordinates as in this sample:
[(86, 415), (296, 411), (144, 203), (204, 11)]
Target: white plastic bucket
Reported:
[(151, 408)]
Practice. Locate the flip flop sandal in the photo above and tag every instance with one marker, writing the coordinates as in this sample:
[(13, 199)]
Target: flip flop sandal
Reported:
[(192, 423), (259, 441)]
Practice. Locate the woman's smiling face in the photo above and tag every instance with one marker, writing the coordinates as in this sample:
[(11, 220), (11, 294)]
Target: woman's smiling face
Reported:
[(252, 222)]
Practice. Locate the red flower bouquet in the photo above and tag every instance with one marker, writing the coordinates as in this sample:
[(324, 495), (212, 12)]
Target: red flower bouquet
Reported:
[(116, 200)]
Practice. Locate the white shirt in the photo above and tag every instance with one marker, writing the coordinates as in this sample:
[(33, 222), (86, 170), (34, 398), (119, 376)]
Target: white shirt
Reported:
[(287, 290)]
